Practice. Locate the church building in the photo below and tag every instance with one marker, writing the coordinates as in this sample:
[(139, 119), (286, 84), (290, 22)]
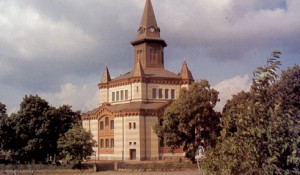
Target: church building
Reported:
[(132, 103)]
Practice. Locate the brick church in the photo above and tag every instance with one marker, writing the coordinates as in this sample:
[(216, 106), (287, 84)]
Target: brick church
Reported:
[(132, 103)]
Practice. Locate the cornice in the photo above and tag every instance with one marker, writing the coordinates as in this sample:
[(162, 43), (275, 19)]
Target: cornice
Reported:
[(153, 80), (105, 111)]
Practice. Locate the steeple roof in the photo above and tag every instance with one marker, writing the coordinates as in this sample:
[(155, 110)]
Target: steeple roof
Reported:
[(185, 73), (148, 30), (148, 18), (105, 76)]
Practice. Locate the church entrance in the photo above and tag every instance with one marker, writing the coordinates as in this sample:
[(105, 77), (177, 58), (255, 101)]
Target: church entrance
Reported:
[(132, 154)]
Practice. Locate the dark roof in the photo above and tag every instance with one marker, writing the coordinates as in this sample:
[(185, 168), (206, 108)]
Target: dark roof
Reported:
[(132, 106), (149, 72), (136, 106)]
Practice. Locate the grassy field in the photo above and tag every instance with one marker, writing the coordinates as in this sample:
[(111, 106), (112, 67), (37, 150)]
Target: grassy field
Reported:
[(106, 168)]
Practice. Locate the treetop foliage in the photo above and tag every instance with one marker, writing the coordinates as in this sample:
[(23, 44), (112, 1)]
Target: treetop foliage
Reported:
[(2, 110), (260, 128), (76, 144), (31, 134), (191, 120)]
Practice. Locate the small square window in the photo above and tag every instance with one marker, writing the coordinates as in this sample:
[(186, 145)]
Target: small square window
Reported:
[(172, 93), (113, 97), (126, 94), (160, 93), (117, 96), (166, 93), (122, 95), (154, 93)]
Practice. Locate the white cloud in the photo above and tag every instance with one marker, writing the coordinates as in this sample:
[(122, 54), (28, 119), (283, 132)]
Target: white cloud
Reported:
[(229, 87), (232, 29), (84, 97), (33, 35)]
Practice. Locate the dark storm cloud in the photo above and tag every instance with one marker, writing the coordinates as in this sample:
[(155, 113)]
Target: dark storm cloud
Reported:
[(57, 46)]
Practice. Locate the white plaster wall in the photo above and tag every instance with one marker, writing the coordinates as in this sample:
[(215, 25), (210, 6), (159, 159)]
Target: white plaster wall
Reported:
[(94, 131), (92, 125), (163, 87), (115, 89), (86, 125), (138, 91), (103, 96), (150, 145), (123, 140)]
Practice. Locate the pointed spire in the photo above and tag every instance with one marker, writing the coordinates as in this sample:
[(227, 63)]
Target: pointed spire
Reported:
[(148, 27), (185, 72), (138, 69), (105, 76), (148, 18)]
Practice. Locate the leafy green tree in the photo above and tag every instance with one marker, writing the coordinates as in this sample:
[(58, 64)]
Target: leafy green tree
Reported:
[(230, 114), (32, 128), (32, 133), (61, 120), (76, 144), (7, 133), (3, 125), (265, 138), (67, 118), (2, 111), (191, 120)]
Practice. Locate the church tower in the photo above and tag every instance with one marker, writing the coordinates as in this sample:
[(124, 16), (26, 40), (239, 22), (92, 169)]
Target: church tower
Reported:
[(132, 103), (148, 46)]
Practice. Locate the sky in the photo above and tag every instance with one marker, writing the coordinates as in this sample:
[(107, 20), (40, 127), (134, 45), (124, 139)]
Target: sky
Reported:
[(58, 49)]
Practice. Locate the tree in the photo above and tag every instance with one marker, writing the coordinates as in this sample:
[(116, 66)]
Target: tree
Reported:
[(6, 132), (32, 133), (265, 138), (76, 144), (2, 111), (3, 124), (230, 114), (61, 120), (32, 130), (191, 120)]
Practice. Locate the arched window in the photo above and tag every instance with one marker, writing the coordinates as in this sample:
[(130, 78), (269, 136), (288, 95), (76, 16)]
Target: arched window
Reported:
[(106, 121), (101, 143), (112, 124), (112, 143), (134, 125), (129, 125), (101, 126), (106, 143)]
